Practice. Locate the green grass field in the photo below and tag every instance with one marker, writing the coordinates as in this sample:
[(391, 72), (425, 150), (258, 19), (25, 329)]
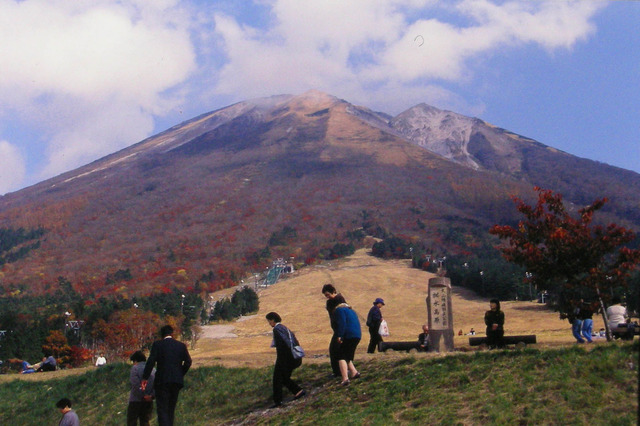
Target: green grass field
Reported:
[(568, 386)]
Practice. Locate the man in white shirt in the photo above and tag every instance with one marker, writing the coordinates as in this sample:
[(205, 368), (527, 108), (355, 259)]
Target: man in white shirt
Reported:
[(101, 361)]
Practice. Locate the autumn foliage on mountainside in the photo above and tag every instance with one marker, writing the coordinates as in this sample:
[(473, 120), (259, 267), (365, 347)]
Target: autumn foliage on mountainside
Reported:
[(572, 258), (127, 331), (216, 199)]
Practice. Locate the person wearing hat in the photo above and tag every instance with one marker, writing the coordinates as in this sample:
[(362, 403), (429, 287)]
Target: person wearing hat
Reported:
[(373, 322)]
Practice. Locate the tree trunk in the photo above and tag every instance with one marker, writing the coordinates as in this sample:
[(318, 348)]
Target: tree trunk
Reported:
[(604, 315)]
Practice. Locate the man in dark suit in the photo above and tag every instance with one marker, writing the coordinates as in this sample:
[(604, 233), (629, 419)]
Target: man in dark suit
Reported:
[(173, 361)]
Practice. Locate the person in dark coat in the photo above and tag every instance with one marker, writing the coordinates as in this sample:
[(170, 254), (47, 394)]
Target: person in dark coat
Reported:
[(423, 339), (333, 299), (283, 340), (494, 319), (173, 361), (374, 318), (349, 335)]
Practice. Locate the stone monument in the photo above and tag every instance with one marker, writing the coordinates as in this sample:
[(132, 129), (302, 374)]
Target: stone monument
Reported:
[(440, 315)]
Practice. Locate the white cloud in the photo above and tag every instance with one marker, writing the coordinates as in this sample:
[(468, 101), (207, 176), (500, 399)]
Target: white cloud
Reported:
[(92, 76), (12, 167), (85, 72), (352, 47), (92, 130), (552, 24)]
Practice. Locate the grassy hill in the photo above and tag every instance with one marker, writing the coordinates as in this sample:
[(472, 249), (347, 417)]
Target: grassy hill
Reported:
[(564, 386), (553, 382)]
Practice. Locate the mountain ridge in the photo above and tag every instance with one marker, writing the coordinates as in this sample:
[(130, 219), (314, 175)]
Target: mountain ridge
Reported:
[(208, 194)]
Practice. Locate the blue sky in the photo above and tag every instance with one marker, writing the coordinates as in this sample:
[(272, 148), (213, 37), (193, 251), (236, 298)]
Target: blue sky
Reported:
[(81, 80)]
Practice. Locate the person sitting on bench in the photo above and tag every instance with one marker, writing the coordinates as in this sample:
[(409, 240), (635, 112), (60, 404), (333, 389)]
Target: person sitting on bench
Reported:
[(494, 319), (423, 339), (618, 318)]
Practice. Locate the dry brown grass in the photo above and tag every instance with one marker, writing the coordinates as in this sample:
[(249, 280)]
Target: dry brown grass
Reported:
[(361, 278)]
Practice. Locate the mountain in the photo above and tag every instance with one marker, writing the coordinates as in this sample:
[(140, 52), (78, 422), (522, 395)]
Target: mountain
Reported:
[(482, 146), (215, 198)]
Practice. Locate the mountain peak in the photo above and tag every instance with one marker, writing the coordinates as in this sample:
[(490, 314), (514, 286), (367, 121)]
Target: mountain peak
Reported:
[(314, 99)]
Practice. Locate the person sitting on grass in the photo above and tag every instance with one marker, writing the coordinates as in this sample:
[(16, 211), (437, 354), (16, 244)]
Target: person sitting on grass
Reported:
[(48, 363), (27, 368)]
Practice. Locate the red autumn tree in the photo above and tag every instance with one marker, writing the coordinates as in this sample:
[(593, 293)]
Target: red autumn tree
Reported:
[(56, 344), (570, 257), (126, 332)]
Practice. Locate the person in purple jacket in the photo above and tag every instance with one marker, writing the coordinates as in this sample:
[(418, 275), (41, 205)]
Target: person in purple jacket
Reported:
[(69, 416), (140, 408)]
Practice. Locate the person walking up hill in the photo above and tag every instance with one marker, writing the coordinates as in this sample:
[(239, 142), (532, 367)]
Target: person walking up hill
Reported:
[(349, 335), (283, 340), (374, 318), (333, 299), (173, 360)]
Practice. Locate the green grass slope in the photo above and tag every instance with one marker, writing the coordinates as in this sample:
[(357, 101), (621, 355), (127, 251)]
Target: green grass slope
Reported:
[(569, 386)]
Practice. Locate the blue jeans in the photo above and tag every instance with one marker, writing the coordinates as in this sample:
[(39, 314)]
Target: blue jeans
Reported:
[(587, 328), (576, 328)]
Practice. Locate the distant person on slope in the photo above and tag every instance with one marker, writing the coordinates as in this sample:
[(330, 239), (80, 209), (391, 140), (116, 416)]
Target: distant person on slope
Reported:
[(283, 341), (494, 319), (333, 299), (101, 361), (374, 318)]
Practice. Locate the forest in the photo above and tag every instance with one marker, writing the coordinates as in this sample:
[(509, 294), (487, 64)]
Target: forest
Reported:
[(76, 320), (75, 329)]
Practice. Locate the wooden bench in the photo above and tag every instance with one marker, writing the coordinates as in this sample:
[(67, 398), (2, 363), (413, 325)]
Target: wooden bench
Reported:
[(399, 346), (621, 332), (506, 340)]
